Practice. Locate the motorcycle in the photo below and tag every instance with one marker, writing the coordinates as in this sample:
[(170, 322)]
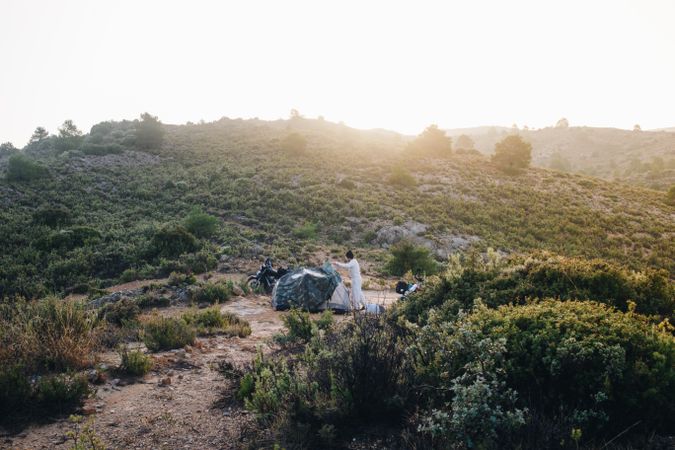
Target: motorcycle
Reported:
[(266, 277), (405, 289)]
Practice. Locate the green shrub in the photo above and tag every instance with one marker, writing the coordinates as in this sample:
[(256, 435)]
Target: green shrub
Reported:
[(299, 326), (670, 196), (46, 335), (89, 148), (199, 262), (130, 274), (400, 177), (178, 279), (213, 321), (212, 292), (512, 154), (58, 393), (325, 322), (123, 311), (600, 369), (152, 299), (134, 362), (15, 388), (307, 230), (23, 168), (542, 275), (52, 216), (172, 241), (246, 387), (356, 374), (201, 224), (166, 333), (406, 256)]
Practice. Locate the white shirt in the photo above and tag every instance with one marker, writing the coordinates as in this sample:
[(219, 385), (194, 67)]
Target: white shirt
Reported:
[(354, 270)]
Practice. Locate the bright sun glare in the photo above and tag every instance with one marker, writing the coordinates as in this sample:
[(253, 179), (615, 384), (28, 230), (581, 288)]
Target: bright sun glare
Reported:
[(395, 65)]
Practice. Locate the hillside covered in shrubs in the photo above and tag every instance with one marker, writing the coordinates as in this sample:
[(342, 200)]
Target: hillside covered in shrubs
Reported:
[(544, 319), (137, 199)]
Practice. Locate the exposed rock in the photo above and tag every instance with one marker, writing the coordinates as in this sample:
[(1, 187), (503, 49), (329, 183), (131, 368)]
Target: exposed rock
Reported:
[(441, 246), (114, 297), (238, 291)]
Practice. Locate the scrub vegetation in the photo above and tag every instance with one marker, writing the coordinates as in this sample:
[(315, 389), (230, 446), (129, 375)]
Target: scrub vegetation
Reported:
[(544, 321)]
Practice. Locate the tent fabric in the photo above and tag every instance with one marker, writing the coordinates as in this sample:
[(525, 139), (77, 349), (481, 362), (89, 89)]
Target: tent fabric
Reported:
[(312, 289), (340, 300)]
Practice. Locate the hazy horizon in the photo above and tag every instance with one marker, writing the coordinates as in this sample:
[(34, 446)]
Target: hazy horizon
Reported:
[(380, 65)]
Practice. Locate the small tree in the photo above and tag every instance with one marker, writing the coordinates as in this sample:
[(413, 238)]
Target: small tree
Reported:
[(637, 127), (38, 135), (70, 137), (7, 147), (465, 142), (69, 129), (294, 143), (432, 142), (512, 154), (149, 132), (562, 123), (406, 256)]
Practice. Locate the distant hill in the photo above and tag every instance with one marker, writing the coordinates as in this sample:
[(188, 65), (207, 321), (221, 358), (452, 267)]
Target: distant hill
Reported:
[(642, 158)]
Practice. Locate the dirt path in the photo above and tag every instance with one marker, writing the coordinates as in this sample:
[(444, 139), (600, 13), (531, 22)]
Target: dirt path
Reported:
[(178, 405)]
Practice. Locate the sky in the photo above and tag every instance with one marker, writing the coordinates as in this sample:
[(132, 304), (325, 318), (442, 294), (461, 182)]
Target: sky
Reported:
[(371, 64)]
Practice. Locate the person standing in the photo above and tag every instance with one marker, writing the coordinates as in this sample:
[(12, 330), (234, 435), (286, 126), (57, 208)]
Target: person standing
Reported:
[(358, 299)]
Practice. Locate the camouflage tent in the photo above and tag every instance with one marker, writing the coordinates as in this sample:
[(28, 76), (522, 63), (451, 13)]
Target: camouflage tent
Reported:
[(313, 289)]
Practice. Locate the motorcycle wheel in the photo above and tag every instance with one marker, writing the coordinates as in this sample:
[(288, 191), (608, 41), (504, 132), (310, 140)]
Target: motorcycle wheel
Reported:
[(253, 283)]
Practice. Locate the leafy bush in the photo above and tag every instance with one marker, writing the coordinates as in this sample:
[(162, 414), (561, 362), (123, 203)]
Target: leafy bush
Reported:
[(123, 311), (166, 333), (212, 292), (307, 230), (353, 375), (172, 241), (52, 216), (178, 279), (406, 256), (15, 388), (600, 369), (89, 148), (23, 168), (59, 393), (213, 321), (199, 262), (401, 177), (134, 362), (299, 325), (152, 299), (46, 335), (542, 275), (201, 224)]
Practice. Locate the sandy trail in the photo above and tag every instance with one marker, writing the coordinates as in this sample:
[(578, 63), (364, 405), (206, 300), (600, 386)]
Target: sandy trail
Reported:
[(179, 404)]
